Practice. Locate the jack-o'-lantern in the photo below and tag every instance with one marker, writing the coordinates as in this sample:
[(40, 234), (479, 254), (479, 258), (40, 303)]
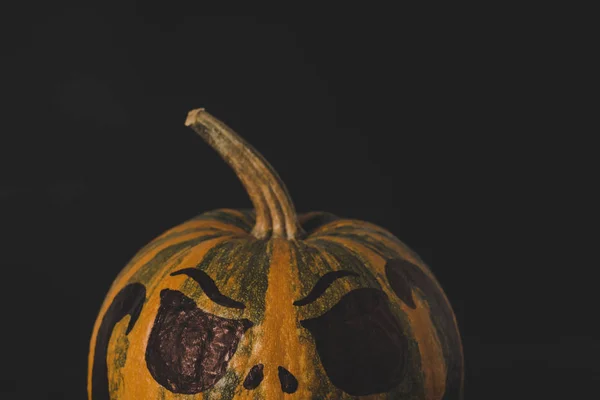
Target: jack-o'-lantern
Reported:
[(265, 304)]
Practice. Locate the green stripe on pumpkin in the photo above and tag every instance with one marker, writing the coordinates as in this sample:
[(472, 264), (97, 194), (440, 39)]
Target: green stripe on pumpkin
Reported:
[(226, 387), (116, 380), (253, 286), (148, 270), (368, 237), (349, 260), (357, 226), (247, 262), (310, 266), (249, 215), (228, 218), (158, 242)]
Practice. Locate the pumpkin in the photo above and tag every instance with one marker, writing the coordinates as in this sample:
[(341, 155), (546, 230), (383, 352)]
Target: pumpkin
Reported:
[(266, 304)]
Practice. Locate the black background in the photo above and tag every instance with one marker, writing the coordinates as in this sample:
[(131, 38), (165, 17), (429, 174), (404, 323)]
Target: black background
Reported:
[(411, 120)]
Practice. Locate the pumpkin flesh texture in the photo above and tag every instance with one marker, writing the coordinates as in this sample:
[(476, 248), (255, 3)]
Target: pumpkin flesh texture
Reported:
[(268, 276)]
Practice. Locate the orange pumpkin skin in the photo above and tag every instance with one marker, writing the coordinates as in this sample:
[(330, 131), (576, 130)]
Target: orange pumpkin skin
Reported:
[(343, 310)]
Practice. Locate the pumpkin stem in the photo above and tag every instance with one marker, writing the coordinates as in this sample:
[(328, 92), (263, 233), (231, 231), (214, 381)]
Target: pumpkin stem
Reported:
[(275, 213)]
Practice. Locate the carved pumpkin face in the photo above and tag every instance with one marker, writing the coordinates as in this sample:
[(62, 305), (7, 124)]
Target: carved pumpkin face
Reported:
[(217, 308)]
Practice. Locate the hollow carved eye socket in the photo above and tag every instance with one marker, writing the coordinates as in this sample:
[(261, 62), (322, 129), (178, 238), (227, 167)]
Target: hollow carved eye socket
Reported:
[(360, 343), (188, 350)]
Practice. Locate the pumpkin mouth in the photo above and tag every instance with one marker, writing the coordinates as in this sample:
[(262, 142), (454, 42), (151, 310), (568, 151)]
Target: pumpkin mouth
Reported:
[(189, 349)]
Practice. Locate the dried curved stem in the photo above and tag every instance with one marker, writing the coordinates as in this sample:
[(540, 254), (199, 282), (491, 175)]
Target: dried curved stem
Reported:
[(275, 213)]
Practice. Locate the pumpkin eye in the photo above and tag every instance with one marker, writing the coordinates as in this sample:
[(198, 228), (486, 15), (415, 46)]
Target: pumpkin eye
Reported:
[(360, 343), (188, 350), (400, 281)]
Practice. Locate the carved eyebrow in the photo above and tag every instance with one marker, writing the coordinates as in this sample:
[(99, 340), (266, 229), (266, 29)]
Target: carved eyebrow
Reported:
[(209, 287), (322, 284)]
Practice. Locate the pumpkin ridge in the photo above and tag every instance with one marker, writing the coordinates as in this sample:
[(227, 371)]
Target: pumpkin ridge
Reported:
[(324, 263), (149, 249), (169, 236), (305, 257), (207, 223), (381, 250), (382, 242), (343, 224), (167, 266), (132, 269), (217, 255), (145, 271), (254, 284), (280, 345), (348, 259), (228, 216), (386, 248)]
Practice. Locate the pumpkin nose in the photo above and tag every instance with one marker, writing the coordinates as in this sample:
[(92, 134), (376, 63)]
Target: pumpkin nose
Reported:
[(254, 377), (289, 383), (275, 341)]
